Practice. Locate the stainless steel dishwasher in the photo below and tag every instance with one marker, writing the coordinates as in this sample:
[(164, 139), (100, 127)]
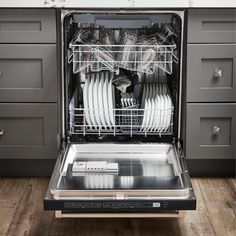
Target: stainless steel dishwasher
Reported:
[(121, 116)]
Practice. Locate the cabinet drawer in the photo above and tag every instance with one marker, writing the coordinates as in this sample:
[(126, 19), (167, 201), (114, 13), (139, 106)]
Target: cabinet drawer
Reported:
[(212, 26), (28, 131), (27, 26), (211, 73), (210, 131), (28, 73)]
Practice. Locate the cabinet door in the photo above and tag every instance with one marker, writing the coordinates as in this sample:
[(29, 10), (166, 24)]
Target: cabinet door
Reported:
[(210, 131), (211, 73), (28, 73), (28, 131), (27, 26), (212, 26)]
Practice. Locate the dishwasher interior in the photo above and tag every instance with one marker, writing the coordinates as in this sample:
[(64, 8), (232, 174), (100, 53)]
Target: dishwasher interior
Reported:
[(121, 73), (121, 111)]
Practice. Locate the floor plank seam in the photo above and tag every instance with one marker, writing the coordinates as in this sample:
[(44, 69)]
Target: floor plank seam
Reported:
[(50, 226), (18, 207), (231, 184), (208, 214)]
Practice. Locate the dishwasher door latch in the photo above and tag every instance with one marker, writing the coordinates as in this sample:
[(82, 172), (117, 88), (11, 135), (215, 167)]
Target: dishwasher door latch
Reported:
[(120, 196)]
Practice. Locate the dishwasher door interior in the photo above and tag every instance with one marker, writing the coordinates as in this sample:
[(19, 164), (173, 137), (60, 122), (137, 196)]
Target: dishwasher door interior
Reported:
[(120, 178)]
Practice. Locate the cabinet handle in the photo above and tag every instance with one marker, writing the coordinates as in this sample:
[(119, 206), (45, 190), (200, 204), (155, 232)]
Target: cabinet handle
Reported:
[(0, 74), (1, 132), (215, 130), (217, 73)]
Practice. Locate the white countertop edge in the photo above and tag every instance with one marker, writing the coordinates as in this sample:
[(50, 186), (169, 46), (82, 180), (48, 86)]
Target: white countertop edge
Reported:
[(118, 4)]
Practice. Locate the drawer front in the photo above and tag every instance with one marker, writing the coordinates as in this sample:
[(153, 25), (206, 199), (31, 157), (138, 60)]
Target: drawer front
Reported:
[(28, 73), (28, 131), (210, 131), (211, 73), (212, 26), (27, 26)]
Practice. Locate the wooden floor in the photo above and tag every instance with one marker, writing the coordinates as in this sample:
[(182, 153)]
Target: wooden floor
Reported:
[(21, 213)]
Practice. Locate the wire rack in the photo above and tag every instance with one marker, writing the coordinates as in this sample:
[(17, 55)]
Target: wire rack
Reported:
[(141, 58), (128, 121)]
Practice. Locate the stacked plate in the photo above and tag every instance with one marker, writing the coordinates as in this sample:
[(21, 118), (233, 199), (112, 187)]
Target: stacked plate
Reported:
[(157, 105), (99, 101)]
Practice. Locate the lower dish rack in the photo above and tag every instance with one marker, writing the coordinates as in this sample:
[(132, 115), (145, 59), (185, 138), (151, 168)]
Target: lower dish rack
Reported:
[(128, 121)]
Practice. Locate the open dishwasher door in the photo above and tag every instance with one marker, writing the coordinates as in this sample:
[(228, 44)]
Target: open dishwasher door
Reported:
[(120, 178), (121, 116)]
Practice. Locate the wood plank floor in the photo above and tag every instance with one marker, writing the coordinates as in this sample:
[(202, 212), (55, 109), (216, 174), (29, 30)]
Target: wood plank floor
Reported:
[(21, 213)]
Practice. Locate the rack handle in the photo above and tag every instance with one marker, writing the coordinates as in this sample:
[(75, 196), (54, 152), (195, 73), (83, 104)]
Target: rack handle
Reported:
[(215, 130), (1, 132), (217, 73)]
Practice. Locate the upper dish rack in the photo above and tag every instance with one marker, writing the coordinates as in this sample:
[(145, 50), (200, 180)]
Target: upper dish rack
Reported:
[(140, 58)]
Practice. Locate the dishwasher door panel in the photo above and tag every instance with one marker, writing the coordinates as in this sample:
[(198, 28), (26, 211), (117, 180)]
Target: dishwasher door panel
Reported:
[(150, 177)]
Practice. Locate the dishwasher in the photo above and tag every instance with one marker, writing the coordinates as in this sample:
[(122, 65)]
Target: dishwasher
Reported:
[(121, 116)]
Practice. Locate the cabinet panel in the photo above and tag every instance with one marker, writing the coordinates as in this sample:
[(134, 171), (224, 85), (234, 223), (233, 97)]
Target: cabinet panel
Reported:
[(212, 26), (28, 73), (210, 131), (28, 131), (27, 26), (211, 73)]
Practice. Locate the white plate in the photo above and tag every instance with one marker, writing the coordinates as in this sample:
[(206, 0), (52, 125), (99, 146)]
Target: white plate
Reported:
[(100, 100), (168, 117), (161, 107), (90, 102), (95, 100), (144, 115), (152, 114), (86, 107), (144, 96), (158, 113), (165, 88), (150, 91), (148, 111), (165, 112), (154, 91), (155, 114), (147, 95), (111, 99), (105, 100)]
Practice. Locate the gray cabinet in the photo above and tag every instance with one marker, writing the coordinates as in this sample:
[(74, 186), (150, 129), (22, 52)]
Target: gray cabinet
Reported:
[(28, 131), (27, 26), (28, 84), (211, 85), (28, 73), (211, 73), (212, 26), (211, 131)]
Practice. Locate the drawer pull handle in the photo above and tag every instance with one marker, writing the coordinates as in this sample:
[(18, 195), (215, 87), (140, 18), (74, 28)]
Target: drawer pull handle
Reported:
[(1, 132), (0, 74), (217, 73), (215, 130)]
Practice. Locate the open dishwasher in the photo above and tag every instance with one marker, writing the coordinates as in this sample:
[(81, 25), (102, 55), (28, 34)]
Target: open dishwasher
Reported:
[(121, 118)]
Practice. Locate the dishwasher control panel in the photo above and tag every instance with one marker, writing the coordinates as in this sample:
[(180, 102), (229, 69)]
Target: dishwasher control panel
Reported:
[(109, 205)]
